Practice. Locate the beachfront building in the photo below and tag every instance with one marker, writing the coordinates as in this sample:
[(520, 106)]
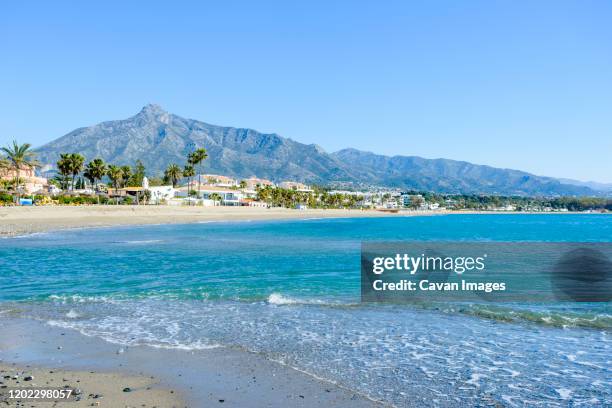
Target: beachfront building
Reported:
[(216, 180), (297, 186), (207, 195), (159, 194), (251, 202), (253, 182), (415, 201), (30, 183)]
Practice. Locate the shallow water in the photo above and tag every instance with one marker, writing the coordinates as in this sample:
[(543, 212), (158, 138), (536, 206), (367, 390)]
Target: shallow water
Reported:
[(290, 290)]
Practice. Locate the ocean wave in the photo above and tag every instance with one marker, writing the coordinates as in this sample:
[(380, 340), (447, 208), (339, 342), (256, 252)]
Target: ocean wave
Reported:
[(280, 299), (597, 317), (141, 242), (554, 318), (116, 335), (70, 299)]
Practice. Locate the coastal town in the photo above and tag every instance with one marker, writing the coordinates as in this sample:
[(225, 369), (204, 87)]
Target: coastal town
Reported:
[(72, 181)]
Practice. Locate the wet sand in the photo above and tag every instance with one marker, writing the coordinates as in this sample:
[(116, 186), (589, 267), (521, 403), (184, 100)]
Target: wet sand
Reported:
[(218, 377)]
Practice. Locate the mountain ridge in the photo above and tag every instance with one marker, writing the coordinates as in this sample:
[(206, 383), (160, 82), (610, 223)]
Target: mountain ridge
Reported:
[(157, 138)]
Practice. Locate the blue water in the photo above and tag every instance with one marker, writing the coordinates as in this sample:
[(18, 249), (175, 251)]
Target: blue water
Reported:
[(290, 290)]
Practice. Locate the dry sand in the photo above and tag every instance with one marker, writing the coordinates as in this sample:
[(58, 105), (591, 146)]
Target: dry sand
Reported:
[(88, 389), (24, 220)]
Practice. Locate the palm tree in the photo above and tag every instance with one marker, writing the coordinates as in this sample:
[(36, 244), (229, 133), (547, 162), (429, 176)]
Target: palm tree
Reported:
[(64, 166), (77, 165), (70, 165), (188, 172), (243, 184), (215, 197), (94, 171), (126, 174), (115, 174), (173, 174), (196, 159), (17, 157)]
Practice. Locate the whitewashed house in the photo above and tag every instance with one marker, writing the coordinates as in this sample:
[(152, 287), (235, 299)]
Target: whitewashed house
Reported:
[(161, 194)]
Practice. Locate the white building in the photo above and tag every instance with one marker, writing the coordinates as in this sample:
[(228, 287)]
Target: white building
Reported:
[(253, 182), (207, 195), (161, 193), (297, 186), (216, 180)]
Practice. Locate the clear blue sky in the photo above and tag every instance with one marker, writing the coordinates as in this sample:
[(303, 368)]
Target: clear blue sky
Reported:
[(518, 84)]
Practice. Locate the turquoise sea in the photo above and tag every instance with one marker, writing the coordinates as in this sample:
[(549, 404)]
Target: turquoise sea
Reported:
[(290, 291)]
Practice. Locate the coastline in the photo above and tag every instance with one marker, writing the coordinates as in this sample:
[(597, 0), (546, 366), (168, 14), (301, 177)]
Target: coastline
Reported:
[(157, 376), (28, 220)]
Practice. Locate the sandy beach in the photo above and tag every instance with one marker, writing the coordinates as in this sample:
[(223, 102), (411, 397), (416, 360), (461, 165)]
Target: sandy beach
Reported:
[(87, 388), (27, 220), (156, 377), (24, 220)]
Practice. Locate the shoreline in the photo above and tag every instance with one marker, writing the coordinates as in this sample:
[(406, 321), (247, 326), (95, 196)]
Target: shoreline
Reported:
[(28, 220), (161, 377), (15, 221)]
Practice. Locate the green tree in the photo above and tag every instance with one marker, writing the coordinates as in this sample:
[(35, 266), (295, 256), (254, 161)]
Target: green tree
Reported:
[(189, 172), (19, 157), (70, 165), (126, 174), (94, 171), (173, 174), (115, 174), (243, 184), (216, 197), (156, 181), (196, 159), (138, 176), (64, 167), (77, 165)]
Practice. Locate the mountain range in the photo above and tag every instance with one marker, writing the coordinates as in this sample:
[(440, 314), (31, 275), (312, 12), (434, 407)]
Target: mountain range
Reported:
[(159, 138)]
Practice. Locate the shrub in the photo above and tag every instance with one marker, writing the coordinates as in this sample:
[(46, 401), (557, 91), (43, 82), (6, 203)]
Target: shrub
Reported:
[(78, 200), (6, 198)]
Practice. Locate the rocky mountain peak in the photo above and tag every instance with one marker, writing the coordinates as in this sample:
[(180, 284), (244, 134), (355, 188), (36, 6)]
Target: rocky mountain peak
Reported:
[(155, 112)]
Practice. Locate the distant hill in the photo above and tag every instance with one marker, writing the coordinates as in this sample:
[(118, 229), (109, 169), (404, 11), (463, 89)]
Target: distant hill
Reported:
[(158, 138), (593, 185), (451, 176)]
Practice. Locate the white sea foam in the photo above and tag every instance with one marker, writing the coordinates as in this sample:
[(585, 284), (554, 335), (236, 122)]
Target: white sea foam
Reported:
[(564, 393), (142, 242), (72, 314), (278, 299), (475, 379), (137, 337), (64, 299)]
